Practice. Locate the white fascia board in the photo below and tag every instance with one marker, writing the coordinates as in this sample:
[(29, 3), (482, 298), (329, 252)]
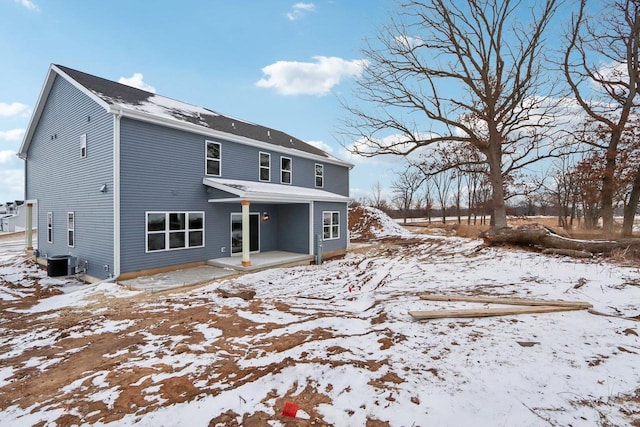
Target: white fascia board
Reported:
[(254, 199), (83, 89), (37, 112), (42, 98), (191, 127)]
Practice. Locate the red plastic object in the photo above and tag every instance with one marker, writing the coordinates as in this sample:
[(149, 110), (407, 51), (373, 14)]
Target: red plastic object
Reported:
[(290, 409)]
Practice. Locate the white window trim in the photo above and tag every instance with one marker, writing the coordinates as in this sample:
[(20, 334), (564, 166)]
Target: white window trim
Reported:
[(206, 158), (260, 167), (331, 225), (71, 231), (49, 227), (167, 231), (315, 173), (290, 170), (83, 146)]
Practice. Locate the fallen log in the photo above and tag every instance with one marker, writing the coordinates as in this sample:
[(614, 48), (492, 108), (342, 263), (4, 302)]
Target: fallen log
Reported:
[(537, 235), (579, 305), (568, 252), (488, 312)]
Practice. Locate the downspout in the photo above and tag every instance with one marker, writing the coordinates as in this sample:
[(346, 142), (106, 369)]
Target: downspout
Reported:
[(116, 193), (312, 250)]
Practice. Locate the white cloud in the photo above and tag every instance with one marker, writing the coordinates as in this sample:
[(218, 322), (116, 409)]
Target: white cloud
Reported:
[(6, 156), (299, 10), (408, 42), (321, 145), (613, 71), (309, 78), (357, 152), (29, 5), (12, 184), (137, 80), (14, 109), (11, 135)]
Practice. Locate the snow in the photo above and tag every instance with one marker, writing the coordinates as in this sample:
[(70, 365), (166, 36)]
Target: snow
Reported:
[(266, 191), (380, 225), (362, 351)]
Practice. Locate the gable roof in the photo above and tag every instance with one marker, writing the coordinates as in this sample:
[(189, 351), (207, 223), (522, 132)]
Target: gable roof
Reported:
[(142, 105)]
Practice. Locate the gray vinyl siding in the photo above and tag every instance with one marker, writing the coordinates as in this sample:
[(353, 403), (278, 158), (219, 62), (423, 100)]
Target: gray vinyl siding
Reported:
[(334, 244), (161, 170), (241, 162), (61, 181), (293, 228)]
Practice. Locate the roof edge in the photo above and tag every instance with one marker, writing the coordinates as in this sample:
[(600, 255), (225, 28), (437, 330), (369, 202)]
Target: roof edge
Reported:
[(42, 97)]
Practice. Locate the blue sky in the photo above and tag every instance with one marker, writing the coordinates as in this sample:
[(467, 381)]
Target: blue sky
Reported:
[(282, 64)]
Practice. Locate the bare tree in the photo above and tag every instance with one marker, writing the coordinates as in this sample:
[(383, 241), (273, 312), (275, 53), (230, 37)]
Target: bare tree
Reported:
[(602, 51), (405, 189), (377, 199), (500, 105), (442, 182), (427, 196), (564, 191)]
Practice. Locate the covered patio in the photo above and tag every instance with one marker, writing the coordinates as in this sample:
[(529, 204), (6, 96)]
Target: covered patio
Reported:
[(248, 193)]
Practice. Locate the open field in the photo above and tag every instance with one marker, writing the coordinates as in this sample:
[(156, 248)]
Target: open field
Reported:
[(335, 339)]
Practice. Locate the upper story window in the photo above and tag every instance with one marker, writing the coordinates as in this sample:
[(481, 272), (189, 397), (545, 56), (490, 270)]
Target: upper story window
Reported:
[(174, 230), (265, 167), (319, 175), (83, 145), (285, 170), (213, 163)]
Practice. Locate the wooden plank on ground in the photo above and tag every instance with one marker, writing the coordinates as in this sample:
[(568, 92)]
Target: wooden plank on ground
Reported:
[(488, 312), (506, 301)]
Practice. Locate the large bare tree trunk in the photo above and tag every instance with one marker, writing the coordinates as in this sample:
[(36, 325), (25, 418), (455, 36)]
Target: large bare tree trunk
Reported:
[(499, 209), (631, 207), (537, 235)]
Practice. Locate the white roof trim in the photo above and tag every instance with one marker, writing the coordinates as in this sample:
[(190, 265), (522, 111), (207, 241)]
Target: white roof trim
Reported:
[(269, 192), (42, 98)]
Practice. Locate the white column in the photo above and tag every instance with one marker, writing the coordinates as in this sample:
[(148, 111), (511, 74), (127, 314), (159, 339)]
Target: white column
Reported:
[(246, 236), (28, 233)]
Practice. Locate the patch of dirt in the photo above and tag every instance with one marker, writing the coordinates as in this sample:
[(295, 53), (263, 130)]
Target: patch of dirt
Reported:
[(361, 223)]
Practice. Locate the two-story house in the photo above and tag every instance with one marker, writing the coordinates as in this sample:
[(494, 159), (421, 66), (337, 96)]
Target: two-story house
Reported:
[(130, 182)]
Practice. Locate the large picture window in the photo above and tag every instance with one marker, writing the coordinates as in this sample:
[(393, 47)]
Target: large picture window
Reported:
[(71, 229), (213, 163), (174, 230), (319, 175), (265, 167), (330, 225), (285, 170)]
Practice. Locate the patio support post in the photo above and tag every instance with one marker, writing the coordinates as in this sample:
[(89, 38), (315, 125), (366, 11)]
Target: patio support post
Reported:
[(246, 237), (29, 227)]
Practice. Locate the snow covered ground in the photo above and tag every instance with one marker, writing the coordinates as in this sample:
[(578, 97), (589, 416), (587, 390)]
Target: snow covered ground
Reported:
[(335, 339)]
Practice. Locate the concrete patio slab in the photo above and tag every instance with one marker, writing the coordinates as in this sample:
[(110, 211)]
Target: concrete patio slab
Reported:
[(263, 260), (177, 279)]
